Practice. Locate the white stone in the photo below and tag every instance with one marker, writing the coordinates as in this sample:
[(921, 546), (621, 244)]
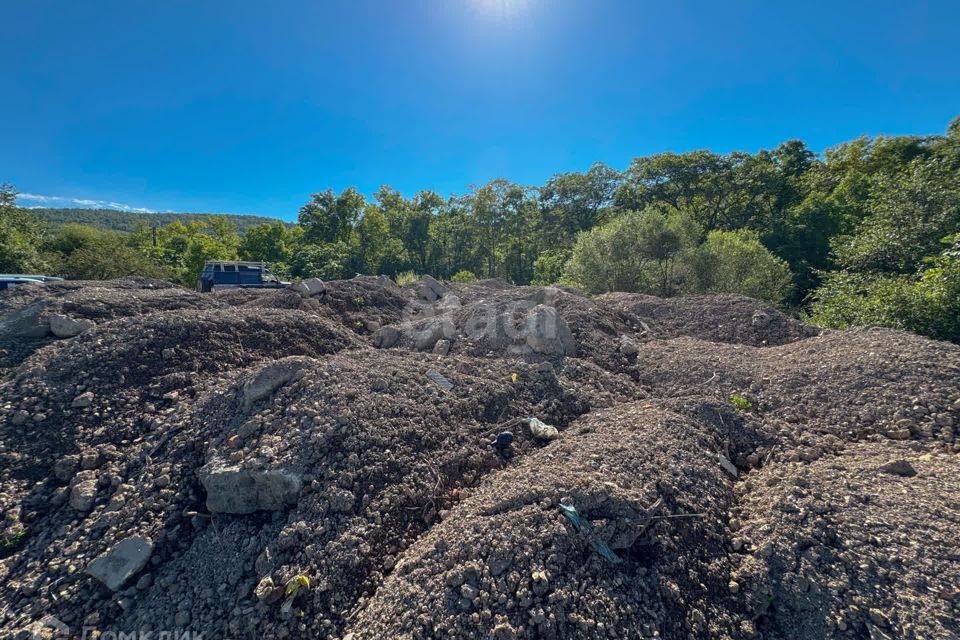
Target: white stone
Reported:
[(66, 327), (83, 490), (540, 429), (83, 400)]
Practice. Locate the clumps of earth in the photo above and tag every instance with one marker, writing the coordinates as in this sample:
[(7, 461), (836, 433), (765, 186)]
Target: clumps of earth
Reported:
[(357, 460)]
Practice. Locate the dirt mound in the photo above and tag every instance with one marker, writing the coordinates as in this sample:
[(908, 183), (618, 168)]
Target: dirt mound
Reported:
[(858, 544), (108, 388), (510, 562), (716, 318), (362, 304), (32, 315), (848, 385), (264, 464), (106, 299)]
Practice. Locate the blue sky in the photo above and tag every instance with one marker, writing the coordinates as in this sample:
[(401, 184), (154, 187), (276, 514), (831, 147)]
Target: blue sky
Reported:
[(251, 106)]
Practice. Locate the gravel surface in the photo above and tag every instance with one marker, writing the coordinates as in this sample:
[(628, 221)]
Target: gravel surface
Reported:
[(361, 463)]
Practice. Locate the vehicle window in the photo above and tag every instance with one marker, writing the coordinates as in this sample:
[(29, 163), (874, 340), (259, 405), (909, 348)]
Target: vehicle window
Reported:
[(227, 277), (249, 276)]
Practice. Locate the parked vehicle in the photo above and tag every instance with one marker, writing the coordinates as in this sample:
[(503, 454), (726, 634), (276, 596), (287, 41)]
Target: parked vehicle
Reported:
[(219, 274), (10, 280)]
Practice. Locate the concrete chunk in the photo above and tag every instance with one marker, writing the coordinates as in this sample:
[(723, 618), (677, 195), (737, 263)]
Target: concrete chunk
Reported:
[(430, 289), (266, 381), (66, 327), (121, 562), (29, 322), (386, 337), (547, 332), (232, 489), (309, 287)]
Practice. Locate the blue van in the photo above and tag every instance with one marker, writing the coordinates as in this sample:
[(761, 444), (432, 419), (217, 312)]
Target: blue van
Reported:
[(11, 280), (218, 274)]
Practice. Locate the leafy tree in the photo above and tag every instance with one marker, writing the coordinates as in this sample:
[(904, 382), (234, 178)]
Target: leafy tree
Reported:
[(927, 303), (272, 243), (329, 218), (200, 249), (575, 202), (636, 252), (548, 267), (21, 236), (86, 253), (329, 260), (906, 216)]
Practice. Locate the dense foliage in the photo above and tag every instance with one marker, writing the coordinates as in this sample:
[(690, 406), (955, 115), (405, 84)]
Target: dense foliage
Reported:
[(867, 233), (127, 221)]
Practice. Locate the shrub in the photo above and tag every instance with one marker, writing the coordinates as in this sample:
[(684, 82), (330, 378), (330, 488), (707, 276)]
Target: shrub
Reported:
[(736, 262), (327, 261), (464, 276), (548, 267), (927, 303), (406, 277), (636, 252)]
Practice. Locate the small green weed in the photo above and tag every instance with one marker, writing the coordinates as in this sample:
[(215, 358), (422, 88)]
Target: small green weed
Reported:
[(742, 402), (10, 544)]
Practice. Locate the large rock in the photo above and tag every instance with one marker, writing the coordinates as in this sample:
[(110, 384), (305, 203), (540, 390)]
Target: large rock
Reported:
[(29, 322), (232, 489), (547, 332), (425, 334), (448, 303), (386, 337), (430, 289), (309, 287), (121, 562), (66, 327), (266, 381)]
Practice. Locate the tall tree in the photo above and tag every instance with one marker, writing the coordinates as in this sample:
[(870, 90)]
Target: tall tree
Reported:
[(21, 236), (330, 218)]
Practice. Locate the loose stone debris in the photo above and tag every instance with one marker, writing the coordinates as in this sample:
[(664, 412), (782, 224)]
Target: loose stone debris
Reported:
[(447, 460)]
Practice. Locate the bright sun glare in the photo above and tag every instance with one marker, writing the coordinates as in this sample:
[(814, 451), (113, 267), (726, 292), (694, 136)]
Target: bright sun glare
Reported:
[(500, 8)]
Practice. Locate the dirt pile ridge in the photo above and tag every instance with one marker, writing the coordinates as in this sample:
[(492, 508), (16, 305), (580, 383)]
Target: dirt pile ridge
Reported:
[(363, 463)]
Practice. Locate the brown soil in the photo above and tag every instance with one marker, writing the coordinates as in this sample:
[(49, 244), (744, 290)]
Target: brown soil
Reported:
[(825, 505)]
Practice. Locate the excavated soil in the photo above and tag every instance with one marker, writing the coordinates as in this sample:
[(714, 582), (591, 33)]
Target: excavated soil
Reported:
[(361, 463)]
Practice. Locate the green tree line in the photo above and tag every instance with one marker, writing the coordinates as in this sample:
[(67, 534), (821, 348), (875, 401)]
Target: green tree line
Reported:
[(127, 221), (865, 233)]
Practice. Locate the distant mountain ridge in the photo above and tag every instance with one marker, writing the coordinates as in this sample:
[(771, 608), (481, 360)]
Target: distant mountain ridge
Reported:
[(127, 220)]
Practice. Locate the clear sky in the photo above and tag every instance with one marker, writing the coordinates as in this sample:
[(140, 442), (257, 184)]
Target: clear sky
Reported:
[(249, 107)]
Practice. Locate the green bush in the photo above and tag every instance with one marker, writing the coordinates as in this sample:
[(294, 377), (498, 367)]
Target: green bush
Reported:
[(20, 236), (736, 262), (326, 260), (548, 267), (464, 276), (927, 303), (406, 277), (637, 252)]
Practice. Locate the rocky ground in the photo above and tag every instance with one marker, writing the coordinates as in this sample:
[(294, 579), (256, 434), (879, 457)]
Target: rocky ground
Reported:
[(357, 460)]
